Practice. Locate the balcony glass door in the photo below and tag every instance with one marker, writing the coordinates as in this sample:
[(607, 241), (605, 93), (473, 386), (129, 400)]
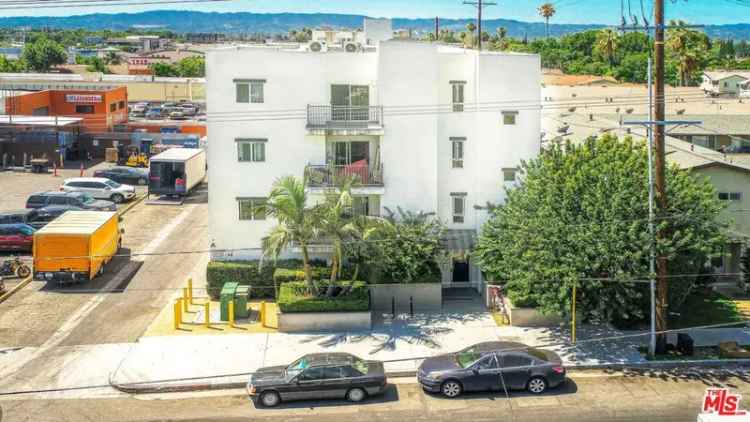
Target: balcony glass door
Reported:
[(350, 102), (345, 153)]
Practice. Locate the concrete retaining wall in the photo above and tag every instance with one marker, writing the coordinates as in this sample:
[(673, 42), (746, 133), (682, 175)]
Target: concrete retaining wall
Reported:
[(529, 317), (426, 297), (324, 321)]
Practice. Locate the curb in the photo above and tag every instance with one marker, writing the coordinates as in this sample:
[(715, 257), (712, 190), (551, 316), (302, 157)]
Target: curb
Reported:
[(166, 387), (18, 287), (132, 205)]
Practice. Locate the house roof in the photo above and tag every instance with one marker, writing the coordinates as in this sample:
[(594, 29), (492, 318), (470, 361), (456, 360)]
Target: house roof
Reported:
[(723, 74), (712, 124)]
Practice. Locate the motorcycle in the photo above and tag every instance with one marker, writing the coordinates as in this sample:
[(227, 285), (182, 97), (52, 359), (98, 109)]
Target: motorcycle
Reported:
[(14, 266)]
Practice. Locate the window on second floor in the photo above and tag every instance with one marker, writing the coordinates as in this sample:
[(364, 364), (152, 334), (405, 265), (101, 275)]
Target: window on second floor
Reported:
[(509, 174), (250, 208), (458, 205), (113, 107), (249, 90), (457, 96), (457, 154), (251, 150), (509, 117), (730, 196), (85, 109)]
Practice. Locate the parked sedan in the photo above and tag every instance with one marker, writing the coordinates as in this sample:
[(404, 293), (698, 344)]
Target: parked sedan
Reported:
[(100, 188), (75, 199), (16, 237), (124, 174), (36, 218), (492, 366), (318, 376)]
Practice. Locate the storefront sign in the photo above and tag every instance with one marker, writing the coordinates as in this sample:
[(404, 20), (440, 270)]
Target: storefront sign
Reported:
[(83, 99)]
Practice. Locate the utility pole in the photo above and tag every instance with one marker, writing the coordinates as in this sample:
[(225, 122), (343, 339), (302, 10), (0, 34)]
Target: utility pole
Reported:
[(662, 288), (437, 28), (480, 4)]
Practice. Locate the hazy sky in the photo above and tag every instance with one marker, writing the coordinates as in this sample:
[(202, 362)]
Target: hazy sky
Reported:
[(569, 11)]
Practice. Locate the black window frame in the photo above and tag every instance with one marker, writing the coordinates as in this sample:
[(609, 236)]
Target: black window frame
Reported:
[(85, 109)]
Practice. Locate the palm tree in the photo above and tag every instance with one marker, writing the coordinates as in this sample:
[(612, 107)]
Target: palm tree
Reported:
[(334, 218), (547, 11), (112, 58), (607, 42), (502, 41), (470, 28), (686, 46), (287, 203)]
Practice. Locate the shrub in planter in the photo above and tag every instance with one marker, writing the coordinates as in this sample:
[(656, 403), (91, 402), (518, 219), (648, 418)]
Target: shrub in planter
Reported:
[(257, 275), (353, 296), (283, 275)]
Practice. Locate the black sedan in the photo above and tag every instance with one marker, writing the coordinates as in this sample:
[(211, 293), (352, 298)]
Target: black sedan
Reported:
[(318, 376), (492, 366), (124, 174)]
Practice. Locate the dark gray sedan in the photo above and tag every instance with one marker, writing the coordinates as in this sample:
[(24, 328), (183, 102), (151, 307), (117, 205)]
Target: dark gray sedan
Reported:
[(318, 376), (492, 366)]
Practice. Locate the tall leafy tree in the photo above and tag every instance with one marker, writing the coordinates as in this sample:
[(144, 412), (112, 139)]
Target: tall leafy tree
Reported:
[(581, 212), (547, 11), (43, 54), (607, 42), (469, 38), (287, 203)]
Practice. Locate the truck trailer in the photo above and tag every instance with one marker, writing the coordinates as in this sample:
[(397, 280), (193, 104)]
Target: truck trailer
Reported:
[(176, 171), (76, 246)]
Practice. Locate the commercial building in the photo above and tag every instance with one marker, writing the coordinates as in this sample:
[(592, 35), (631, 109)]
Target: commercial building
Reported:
[(99, 110), (422, 125)]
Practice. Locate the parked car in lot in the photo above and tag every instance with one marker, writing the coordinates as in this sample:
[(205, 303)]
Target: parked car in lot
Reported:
[(139, 109), (154, 113), (318, 376), (100, 188), (77, 199), (124, 174), (37, 217), (16, 237), (492, 366)]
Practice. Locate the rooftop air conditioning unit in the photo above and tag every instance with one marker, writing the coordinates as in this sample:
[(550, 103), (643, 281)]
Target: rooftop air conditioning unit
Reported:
[(352, 47), (317, 46)]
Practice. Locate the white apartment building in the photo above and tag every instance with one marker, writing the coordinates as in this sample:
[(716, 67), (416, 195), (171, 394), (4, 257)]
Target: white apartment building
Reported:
[(427, 127)]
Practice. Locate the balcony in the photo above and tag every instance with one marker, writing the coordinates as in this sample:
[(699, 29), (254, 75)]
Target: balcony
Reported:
[(345, 120), (327, 176)]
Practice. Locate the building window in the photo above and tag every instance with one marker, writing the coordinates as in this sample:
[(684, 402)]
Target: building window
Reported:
[(121, 105), (730, 196), (85, 109), (250, 208), (509, 117), (252, 150), (457, 155), (458, 95), (249, 90), (509, 174), (113, 107), (458, 203)]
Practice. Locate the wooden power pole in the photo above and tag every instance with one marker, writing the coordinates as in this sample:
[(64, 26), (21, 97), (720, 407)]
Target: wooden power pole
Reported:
[(660, 182), (480, 4)]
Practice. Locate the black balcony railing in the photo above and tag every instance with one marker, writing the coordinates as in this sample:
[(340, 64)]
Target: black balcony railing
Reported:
[(329, 175), (343, 117)]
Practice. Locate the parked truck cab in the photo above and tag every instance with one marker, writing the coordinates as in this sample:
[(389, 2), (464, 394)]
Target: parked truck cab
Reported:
[(76, 247)]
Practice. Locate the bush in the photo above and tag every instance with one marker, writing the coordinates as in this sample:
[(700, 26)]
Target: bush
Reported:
[(294, 297), (283, 275), (247, 273)]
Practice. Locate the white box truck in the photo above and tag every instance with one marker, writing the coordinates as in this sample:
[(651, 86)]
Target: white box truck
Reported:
[(176, 171)]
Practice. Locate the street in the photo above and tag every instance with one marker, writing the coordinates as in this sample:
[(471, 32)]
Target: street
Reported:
[(587, 396)]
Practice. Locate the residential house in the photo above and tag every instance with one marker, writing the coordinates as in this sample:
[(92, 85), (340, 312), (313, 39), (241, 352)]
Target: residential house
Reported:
[(744, 89), (401, 115), (724, 82)]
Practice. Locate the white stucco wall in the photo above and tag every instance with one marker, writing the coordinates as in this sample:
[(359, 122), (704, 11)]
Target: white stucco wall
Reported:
[(412, 82)]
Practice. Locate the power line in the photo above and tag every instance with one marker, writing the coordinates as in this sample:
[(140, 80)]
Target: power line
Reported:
[(99, 3)]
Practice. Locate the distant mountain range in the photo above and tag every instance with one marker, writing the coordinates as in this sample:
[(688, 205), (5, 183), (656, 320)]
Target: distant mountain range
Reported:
[(274, 23)]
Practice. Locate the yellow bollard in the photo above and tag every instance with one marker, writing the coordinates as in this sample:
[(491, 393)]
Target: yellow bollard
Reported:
[(177, 314), (190, 291), (185, 301), (207, 321), (231, 313), (263, 313)]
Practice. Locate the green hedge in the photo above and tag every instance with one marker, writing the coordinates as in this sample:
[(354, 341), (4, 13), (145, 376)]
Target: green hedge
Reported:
[(247, 273), (294, 297), (283, 275)]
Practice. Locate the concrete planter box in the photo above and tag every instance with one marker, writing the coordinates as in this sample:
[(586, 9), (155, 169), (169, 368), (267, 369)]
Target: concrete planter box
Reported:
[(424, 296), (529, 317), (298, 322)]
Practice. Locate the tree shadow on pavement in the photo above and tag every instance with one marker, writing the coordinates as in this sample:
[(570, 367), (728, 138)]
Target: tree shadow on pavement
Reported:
[(709, 377), (389, 395)]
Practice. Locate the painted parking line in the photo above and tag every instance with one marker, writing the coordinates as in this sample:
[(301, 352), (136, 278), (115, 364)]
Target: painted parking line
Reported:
[(18, 287)]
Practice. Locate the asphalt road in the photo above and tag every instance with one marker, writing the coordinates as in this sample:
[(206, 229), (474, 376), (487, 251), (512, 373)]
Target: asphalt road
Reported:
[(632, 397)]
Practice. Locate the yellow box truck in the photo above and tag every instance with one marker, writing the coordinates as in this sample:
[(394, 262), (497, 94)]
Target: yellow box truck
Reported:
[(76, 246)]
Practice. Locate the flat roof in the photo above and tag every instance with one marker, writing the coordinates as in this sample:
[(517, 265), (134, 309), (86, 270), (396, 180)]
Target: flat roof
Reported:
[(77, 222), (177, 154), (6, 119)]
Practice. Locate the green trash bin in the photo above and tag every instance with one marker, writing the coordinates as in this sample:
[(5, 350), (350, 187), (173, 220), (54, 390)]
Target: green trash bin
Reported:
[(240, 302), (227, 294)]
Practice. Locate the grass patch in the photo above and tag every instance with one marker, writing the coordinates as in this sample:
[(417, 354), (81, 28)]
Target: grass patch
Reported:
[(702, 308)]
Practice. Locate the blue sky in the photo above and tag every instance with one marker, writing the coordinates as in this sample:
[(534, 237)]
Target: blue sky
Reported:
[(569, 11)]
